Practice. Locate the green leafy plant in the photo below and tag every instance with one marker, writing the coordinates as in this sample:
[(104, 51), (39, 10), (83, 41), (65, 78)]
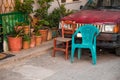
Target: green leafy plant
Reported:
[(16, 33), (42, 11), (18, 30), (26, 37), (36, 30), (21, 24), (64, 11), (42, 24), (54, 18), (56, 14), (18, 23), (25, 6)]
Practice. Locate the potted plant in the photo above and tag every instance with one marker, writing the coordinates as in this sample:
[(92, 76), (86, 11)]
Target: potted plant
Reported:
[(15, 40), (43, 28), (38, 37), (32, 41), (26, 7), (55, 16), (42, 14), (23, 25), (26, 28), (18, 25), (26, 41)]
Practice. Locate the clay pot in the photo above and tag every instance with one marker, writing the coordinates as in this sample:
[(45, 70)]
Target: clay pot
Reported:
[(38, 40), (44, 34), (14, 43), (26, 44), (32, 41), (26, 30)]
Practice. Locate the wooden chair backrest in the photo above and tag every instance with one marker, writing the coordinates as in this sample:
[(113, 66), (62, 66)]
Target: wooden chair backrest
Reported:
[(68, 27)]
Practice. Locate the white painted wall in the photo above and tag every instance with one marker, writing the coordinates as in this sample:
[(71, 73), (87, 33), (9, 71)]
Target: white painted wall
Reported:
[(72, 5)]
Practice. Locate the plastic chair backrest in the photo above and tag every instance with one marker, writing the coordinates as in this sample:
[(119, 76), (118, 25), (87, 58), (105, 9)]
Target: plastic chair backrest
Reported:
[(88, 32)]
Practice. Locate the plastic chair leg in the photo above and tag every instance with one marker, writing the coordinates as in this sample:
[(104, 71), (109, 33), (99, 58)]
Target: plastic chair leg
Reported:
[(79, 53), (72, 54), (93, 52)]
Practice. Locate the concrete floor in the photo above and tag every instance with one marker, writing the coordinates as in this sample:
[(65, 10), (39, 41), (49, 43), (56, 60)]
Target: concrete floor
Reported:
[(45, 67)]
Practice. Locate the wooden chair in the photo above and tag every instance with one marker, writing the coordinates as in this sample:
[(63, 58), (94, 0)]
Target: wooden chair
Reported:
[(68, 27)]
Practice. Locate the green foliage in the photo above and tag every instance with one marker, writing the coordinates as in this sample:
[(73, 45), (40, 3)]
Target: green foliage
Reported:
[(54, 18), (42, 11), (42, 24), (17, 5), (25, 7), (18, 23), (18, 30), (21, 24), (56, 14), (16, 33), (64, 11), (26, 37), (36, 30)]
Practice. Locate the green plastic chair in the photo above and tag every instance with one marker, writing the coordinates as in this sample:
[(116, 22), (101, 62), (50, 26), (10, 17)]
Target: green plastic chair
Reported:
[(89, 34)]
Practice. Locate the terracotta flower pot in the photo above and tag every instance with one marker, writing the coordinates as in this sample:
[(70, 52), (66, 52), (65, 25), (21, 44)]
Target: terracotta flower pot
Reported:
[(38, 40), (26, 44), (44, 34), (26, 30), (14, 43), (32, 41)]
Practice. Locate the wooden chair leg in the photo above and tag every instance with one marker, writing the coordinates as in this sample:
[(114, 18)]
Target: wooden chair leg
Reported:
[(66, 51), (54, 49)]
